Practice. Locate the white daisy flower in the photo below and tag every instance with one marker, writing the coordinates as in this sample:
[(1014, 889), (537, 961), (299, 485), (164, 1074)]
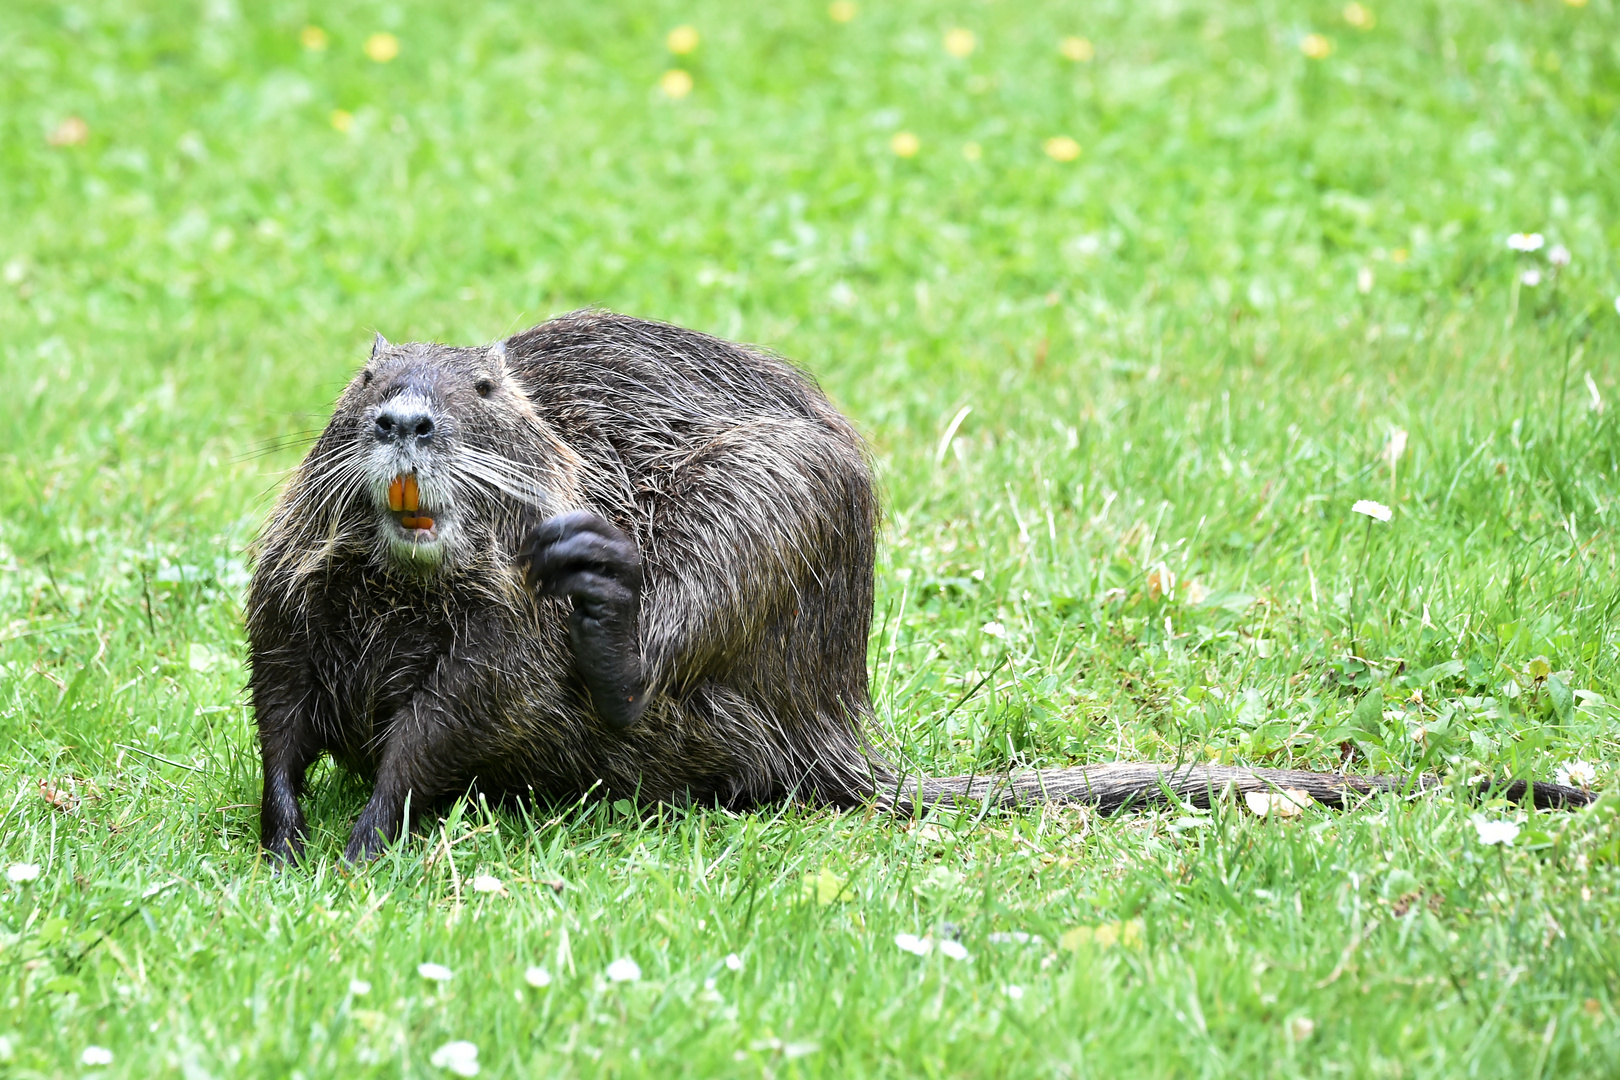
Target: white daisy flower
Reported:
[(1495, 832), (537, 977), (359, 987), (1576, 773), (1013, 991), (487, 883), (994, 629), (96, 1055), (1530, 278), (459, 1057), (435, 972), (953, 949), (913, 944), (1526, 241), (1372, 509), (1558, 255), (624, 969), (19, 872), (734, 962)]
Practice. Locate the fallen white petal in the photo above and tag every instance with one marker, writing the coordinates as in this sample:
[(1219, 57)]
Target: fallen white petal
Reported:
[(1287, 803), (459, 1057), (435, 972), (913, 944), (624, 969)]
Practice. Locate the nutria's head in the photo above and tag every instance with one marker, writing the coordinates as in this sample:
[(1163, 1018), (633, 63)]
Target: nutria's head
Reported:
[(432, 458)]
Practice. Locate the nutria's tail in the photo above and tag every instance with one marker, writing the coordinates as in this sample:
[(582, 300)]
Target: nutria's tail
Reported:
[(1121, 784)]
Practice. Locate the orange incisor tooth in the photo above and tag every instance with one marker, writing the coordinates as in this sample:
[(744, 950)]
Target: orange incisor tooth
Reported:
[(396, 495), (412, 500), (424, 523)]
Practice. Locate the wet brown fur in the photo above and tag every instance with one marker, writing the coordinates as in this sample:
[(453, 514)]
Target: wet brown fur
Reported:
[(752, 503)]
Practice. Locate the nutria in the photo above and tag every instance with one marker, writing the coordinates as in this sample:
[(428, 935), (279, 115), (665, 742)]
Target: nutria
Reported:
[(604, 554)]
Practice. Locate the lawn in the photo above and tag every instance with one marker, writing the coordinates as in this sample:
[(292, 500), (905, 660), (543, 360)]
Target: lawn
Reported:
[(1133, 301)]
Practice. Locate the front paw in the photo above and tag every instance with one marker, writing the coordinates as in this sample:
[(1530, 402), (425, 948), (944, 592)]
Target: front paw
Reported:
[(587, 559), (283, 850), (364, 846)]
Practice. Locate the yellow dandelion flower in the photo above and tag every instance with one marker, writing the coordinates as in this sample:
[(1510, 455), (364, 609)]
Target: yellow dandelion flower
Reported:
[(675, 83), (841, 11), (972, 151), (905, 144), (1078, 49), (1062, 148), (1399, 255), (382, 47), (1359, 16), (72, 131), (1315, 46), (312, 38), (682, 40), (960, 43), (342, 120)]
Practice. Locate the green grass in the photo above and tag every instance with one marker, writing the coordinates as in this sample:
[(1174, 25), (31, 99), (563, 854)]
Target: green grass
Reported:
[(1170, 363)]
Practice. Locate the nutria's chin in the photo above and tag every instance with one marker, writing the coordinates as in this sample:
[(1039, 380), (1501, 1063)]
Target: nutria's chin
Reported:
[(416, 551), (604, 555)]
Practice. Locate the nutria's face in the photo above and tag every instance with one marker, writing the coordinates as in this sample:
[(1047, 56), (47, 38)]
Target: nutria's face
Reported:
[(443, 441)]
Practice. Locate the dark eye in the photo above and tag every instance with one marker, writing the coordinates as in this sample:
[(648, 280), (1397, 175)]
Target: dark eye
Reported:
[(365, 378), (485, 387)]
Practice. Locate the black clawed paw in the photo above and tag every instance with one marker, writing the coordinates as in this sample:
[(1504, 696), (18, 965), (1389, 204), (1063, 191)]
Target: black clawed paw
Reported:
[(590, 561), (582, 556)]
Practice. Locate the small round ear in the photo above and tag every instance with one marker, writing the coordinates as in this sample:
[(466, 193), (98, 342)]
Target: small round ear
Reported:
[(497, 352), (378, 344)]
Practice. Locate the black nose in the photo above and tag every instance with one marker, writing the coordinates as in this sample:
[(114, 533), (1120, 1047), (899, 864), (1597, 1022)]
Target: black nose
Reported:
[(399, 422)]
